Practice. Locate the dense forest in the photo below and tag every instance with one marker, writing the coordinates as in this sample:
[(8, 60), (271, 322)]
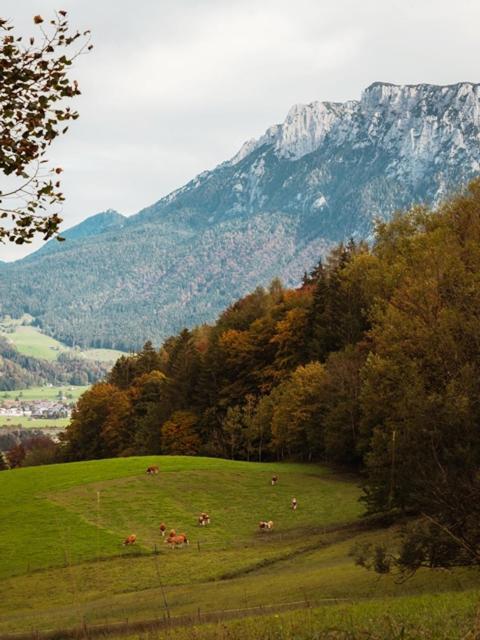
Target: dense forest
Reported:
[(18, 371), (373, 363)]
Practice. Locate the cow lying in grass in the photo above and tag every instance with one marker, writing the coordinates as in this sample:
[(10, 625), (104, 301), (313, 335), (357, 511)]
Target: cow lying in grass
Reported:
[(203, 519), (130, 539), (152, 470), (265, 525)]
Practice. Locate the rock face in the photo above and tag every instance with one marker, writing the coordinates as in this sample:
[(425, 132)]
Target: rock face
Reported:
[(274, 209)]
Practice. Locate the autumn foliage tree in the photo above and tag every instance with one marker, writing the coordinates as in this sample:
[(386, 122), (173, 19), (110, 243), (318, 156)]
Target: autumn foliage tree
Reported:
[(179, 436), (15, 456), (35, 88)]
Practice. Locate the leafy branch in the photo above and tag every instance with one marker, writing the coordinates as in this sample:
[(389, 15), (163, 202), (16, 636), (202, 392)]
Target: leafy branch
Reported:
[(34, 89)]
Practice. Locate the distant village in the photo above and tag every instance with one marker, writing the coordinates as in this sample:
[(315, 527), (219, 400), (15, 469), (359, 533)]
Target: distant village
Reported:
[(34, 409)]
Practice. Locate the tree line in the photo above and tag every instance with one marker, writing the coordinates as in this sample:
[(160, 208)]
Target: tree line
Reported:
[(373, 363)]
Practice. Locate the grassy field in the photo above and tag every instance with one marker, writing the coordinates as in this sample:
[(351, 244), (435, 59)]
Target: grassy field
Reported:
[(44, 393), (102, 355), (31, 341), (441, 616), (62, 561), (37, 423)]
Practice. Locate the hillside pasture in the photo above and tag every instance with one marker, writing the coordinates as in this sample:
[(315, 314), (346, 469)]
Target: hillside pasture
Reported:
[(62, 526), (31, 341), (116, 497)]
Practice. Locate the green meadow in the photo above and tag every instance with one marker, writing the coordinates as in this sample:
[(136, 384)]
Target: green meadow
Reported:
[(448, 615), (44, 393), (33, 423), (63, 562), (30, 341)]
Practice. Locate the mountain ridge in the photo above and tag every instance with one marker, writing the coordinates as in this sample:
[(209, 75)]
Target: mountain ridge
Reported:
[(93, 225)]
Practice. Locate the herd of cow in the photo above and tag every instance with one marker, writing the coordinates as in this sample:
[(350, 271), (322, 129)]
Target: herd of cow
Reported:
[(175, 540)]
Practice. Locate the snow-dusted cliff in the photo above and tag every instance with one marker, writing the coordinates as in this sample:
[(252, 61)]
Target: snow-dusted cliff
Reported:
[(417, 119), (274, 209), (418, 123)]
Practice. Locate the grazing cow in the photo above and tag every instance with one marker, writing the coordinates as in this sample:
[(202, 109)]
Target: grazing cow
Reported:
[(152, 470), (203, 519), (265, 525), (163, 528), (274, 480), (177, 541), (171, 535), (294, 504), (130, 539)]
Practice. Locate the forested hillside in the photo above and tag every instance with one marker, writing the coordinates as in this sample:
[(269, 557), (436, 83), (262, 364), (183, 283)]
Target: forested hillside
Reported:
[(320, 177), (372, 363)]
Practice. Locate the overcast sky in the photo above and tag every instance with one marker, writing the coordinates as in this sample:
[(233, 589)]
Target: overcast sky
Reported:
[(173, 87)]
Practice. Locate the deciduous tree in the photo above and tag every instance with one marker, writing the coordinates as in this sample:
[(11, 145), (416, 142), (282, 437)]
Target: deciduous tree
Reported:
[(35, 87)]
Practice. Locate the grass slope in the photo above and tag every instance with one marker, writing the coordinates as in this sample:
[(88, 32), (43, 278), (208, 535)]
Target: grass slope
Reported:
[(440, 616), (109, 499), (30, 341), (62, 560)]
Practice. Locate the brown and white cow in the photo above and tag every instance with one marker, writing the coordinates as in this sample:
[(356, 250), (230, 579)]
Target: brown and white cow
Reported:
[(177, 541), (294, 504), (171, 535), (152, 470), (130, 539), (274, 480), (163, 528), (203, 519), (265, 525)]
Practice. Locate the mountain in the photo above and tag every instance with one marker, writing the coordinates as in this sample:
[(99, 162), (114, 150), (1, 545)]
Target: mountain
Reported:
[(91, 226), (274, 209), (94, 225)]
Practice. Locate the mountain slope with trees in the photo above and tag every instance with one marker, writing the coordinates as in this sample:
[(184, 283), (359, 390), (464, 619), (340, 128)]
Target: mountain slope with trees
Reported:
[(320, 177)]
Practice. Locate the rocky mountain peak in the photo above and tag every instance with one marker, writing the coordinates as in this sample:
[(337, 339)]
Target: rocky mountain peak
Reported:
[(424, 115)]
